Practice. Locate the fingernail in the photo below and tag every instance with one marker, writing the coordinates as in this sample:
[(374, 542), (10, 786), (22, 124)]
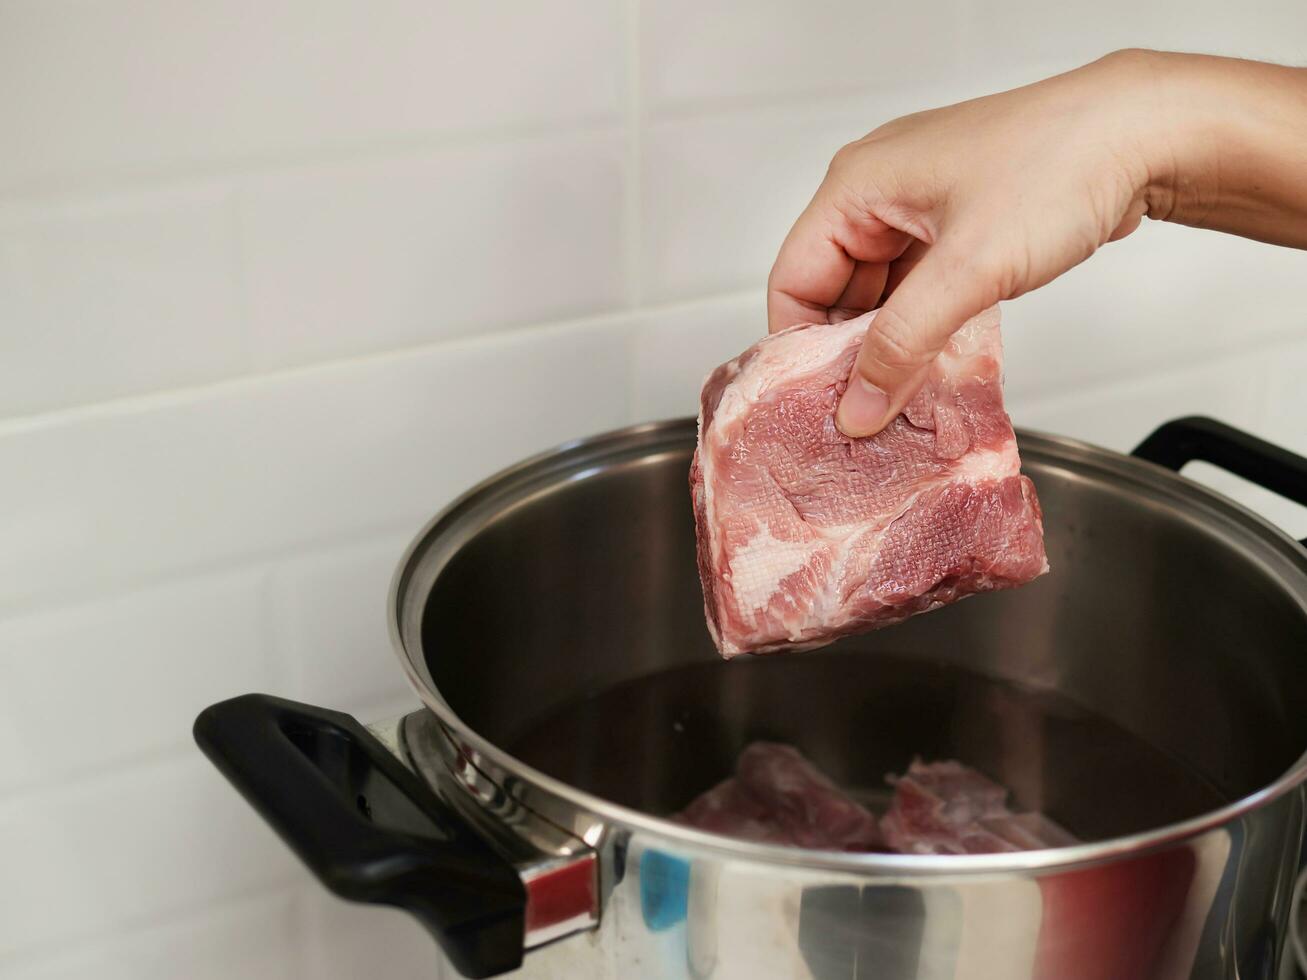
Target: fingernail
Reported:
[(862, 409)]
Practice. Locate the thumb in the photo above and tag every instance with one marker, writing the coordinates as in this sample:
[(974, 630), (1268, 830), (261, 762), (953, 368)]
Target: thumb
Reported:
[(938, 295)]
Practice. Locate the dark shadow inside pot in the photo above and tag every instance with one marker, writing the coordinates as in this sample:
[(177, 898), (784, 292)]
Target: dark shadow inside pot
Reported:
[(1155, 673)]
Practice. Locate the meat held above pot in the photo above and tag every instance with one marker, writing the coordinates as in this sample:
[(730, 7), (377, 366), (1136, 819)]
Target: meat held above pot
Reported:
[(806, 535)]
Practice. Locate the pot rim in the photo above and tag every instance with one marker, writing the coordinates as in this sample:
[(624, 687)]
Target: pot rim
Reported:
[(516, 483)]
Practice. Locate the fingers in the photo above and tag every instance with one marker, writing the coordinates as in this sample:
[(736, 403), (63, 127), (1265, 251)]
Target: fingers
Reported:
[(899, 269), (862, 292), (941, 292), (819, 259), (1133, 217), (810, 273)]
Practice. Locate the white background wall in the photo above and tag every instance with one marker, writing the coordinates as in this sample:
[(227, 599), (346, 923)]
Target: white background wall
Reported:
[(277, 279)]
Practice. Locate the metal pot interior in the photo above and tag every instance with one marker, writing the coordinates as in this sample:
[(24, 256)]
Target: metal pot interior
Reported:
[(1155, 674)]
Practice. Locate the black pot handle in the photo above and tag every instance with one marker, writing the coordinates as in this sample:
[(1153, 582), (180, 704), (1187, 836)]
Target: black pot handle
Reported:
[(369, 828), (1197, 438)]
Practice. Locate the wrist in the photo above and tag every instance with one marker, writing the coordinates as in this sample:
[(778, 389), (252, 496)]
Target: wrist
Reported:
[(1217, 134), (1164, 142), (1185, 115)]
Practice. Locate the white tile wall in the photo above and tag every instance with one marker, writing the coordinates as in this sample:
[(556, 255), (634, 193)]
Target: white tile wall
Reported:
[(674, 350), (126, 847), (330, 624), (1167, 297), (278, 280), (1284, 422), (92, 91), (697, 53), (245, 939), (1119, 415), (384, 254), (85, 676), (254, 468), (719, 192), (1062, 36), (350, 941), (101, 297)]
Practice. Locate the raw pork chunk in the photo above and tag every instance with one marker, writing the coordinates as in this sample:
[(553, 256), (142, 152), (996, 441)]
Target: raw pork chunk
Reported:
[(806, 535), (948, 808), (778, 797)]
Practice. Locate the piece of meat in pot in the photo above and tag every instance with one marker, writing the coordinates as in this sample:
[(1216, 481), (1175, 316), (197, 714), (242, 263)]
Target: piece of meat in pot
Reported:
[(949, 808), (777, 796), (805, 535)]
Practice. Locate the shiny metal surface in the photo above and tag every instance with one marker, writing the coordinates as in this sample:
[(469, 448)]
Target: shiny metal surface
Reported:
[(1170, 612), (559, 870)]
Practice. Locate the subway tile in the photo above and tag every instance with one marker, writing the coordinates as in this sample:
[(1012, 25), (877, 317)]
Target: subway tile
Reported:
[(1167, 297), (1240, 390), (1284, 422), (720, 192), (101, 298), (16, 741), (1273, 30), (88, 686), (99, 90), (368, 256), (1289, 517), (263, 466), (1119, 416), (253, 940), (1054, 38), (345, 941), (1285, 410), (1061, 36), (674, 351), (331, 626), (696, 52), (129, 847)]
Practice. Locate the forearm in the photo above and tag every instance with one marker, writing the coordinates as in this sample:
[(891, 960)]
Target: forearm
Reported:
[(1231, 147), (936, 216)]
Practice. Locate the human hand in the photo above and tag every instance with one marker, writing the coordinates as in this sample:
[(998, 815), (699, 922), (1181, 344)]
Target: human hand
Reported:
[(947, 212)]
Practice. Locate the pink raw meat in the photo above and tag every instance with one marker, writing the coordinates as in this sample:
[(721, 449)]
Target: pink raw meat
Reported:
[(778, 797), (805, 535), (948, 808)]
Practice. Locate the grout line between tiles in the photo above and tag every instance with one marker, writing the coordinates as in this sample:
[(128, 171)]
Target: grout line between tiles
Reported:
[(633, 216), (963, 14), (183, 749), (1055, 400), (169, 397), (1264, 411), (169, 176), (271, 557), (238, 211), (161, 757), (110, 936), (266, 560), (920, 97), (1156, 370), (127, 404), (150, 179)]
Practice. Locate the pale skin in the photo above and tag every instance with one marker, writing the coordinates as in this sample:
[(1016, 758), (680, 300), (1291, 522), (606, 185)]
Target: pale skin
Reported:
[(937, 216)]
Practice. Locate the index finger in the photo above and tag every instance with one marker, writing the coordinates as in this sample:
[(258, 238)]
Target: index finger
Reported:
[(809, 274), (818, 258)]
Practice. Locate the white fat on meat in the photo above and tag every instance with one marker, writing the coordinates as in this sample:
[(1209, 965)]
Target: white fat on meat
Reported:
[(930, 510)]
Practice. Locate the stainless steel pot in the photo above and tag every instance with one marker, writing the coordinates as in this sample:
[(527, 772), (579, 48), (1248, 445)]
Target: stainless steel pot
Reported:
[(1151, 693)]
